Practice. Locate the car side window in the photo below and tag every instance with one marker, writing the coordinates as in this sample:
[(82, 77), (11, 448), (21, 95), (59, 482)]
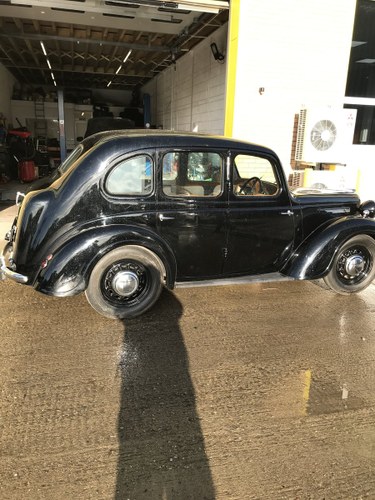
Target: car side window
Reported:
[(254, 176), (192, 174), (131, 177)]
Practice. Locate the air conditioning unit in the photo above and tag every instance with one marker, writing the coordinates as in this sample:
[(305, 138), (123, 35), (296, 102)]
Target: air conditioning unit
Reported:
[(324, 135)]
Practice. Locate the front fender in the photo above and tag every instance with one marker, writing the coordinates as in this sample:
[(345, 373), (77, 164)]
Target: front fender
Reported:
[(68, 271), (313, 257)]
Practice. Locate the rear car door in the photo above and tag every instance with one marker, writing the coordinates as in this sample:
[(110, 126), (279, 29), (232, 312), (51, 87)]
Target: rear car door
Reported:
[(191, 215), (260, 217)]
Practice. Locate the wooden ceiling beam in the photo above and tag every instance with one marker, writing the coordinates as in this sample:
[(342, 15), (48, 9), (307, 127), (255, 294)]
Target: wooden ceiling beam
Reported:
[(90, 70), (74, 39)]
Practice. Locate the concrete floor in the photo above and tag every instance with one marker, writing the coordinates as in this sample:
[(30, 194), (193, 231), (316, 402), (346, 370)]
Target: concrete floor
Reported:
[(261, 391)]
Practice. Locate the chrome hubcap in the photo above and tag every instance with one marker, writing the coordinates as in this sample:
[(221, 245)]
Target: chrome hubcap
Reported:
[(355, 265), (125, 283)]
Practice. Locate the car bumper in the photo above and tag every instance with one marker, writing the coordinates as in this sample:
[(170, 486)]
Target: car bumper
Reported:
[(7, 272)]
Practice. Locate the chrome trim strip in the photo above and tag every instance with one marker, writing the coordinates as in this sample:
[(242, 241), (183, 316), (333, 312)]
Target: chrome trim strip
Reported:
[(242, 280), (8, 273)]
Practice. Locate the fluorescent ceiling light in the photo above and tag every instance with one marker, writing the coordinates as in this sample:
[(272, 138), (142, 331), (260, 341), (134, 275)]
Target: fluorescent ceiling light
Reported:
[(109, 83), (119, 68), (366, 61), (127, 55), (43, 48), (356, 44), (48, 63), (212, 6)]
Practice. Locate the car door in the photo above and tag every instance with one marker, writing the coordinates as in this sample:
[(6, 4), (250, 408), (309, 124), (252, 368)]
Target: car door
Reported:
[(260, 216), (191, 213)]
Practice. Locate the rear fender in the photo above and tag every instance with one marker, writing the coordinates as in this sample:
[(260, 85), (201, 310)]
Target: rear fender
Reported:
[(314, 256), (68, 271)]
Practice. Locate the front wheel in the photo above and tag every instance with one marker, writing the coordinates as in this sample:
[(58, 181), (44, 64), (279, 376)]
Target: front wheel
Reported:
[(353, 267), (125, 282)]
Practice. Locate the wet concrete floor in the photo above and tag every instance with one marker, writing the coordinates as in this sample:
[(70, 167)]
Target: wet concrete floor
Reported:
[(259, 391)]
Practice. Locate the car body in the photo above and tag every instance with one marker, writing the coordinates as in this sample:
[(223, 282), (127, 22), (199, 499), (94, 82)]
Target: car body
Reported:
[(131, 211)]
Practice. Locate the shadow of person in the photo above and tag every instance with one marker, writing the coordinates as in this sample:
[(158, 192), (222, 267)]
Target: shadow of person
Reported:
[(161, 445)]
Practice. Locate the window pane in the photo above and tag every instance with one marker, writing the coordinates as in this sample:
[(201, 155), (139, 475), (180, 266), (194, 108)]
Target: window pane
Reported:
[(131, 177), (192, 173), (361, 75), (170, 165), (253, 176), (364, 132), (204, 166)]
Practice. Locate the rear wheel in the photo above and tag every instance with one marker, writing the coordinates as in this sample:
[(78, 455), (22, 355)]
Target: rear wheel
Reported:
[(125, 282), (353, 267)]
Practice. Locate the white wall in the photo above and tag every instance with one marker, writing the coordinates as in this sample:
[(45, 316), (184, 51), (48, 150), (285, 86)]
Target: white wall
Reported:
[(191, 95), (75, 115), (7, 82), (362, 159), (298, 50)]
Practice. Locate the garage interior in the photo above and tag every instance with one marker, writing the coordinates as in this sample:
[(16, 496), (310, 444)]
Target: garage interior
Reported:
[(93, 59)]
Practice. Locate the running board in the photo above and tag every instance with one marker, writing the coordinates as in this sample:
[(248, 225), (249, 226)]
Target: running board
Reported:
[(243, 280)]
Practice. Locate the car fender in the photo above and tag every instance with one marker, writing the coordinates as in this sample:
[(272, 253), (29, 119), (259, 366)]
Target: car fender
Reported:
[(68, 269), (313, 258)]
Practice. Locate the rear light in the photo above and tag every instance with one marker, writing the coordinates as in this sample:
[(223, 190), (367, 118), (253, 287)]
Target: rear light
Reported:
[(44, 262)]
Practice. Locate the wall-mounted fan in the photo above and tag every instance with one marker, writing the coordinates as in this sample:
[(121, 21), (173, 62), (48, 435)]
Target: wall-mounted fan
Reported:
[(324, 135)]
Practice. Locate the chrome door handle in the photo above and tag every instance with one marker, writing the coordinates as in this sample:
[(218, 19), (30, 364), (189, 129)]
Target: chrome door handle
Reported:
[(288, 212), (164, 217)]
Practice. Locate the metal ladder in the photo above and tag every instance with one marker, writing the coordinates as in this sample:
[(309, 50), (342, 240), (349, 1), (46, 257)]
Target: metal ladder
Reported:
[(40, 126)]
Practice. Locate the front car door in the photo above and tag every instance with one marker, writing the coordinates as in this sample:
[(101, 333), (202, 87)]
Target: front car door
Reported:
[(260, 218), (192, 205)]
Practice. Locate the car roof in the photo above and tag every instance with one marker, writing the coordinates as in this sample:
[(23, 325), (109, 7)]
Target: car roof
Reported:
[(168, 138)]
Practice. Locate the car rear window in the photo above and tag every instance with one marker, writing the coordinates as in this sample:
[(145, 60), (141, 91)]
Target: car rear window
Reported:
[(131, 177)]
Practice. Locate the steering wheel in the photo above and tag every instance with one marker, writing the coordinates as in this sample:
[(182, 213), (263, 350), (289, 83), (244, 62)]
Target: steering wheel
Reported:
[(253, 181)]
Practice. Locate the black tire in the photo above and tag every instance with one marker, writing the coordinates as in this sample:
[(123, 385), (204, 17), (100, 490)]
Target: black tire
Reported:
[(353, 267), (125, 282)]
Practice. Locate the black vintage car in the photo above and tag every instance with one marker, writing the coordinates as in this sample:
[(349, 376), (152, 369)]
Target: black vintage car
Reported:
[(129, 212)]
